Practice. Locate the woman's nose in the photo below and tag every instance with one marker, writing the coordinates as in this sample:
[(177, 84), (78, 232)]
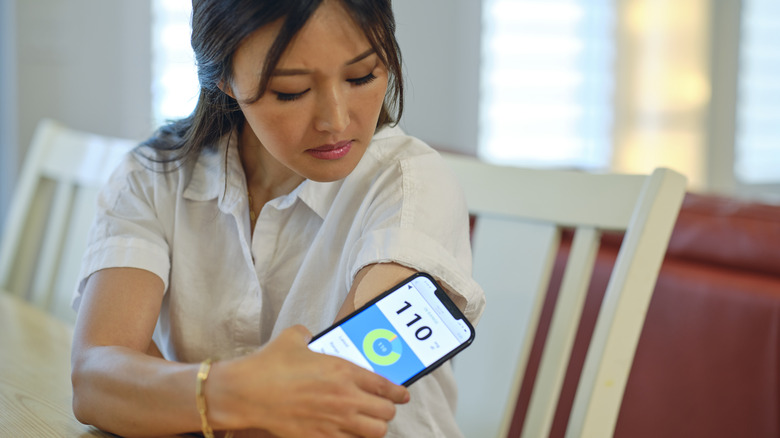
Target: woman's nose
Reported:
[(332, 113)]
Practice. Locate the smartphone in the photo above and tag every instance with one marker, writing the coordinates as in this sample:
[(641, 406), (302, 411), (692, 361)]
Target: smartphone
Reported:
[(403, 334)]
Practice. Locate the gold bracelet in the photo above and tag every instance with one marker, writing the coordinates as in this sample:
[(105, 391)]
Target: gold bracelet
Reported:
[(200, 399)]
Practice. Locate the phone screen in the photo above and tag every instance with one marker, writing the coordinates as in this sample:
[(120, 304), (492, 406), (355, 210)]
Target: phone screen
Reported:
[(403, 334)]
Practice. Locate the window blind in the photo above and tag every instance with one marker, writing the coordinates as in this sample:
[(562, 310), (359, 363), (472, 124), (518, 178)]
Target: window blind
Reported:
[(757, 147), (547, 81), (174, 79)]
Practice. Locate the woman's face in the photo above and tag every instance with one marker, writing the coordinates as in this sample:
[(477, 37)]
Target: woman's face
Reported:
[(323, 100)]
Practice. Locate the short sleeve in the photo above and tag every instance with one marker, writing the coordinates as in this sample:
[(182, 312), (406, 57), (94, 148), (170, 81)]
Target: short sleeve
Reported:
[(126, 231), (418, 218)]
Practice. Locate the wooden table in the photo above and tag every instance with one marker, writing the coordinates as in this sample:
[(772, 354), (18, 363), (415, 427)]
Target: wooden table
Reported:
[(35, 390)]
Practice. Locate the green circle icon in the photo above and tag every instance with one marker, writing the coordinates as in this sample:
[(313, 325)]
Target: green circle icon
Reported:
[(382, 347)]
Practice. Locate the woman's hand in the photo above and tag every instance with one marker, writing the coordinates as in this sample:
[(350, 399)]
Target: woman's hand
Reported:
[(294, 392)]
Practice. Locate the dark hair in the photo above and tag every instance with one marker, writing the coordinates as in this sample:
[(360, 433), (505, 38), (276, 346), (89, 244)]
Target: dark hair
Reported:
[(219, 27)]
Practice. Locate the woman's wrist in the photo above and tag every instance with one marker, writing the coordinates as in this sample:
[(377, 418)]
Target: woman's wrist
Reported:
[(222, 413), (200, 398)]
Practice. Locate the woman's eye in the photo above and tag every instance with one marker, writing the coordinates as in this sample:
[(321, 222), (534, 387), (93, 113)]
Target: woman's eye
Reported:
[(362, 81), (289, 97)]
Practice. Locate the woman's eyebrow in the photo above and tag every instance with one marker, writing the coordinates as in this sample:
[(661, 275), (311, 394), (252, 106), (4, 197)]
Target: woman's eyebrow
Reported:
[(300, 71), (361, 57)]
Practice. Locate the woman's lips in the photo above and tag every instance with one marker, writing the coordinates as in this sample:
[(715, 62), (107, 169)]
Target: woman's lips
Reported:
[(331, 151)]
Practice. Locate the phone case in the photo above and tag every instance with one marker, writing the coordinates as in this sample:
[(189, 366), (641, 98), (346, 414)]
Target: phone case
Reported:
[(446, 302)]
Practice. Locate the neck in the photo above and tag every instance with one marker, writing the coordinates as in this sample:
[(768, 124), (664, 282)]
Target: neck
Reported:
[(266, 177)]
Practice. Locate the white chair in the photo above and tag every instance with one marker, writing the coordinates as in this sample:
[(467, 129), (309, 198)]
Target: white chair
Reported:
[(51, 212), (519, 217)]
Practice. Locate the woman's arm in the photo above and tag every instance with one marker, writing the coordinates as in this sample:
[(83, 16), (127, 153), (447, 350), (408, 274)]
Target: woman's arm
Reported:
[(116, 386), (283, 387), (371, 281), (374, 279)]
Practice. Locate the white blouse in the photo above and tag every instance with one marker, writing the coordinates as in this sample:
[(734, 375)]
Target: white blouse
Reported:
[(228, 291)]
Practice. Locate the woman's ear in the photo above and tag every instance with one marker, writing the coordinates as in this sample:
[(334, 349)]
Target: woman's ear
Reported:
[(226, 88)]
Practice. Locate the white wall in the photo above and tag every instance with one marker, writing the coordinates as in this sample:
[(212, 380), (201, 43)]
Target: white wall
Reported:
[(83, 62), (8, 125), (440, 43), (86, 63)]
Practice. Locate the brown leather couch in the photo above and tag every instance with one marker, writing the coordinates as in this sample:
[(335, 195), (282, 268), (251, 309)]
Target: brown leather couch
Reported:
[(708, 360)]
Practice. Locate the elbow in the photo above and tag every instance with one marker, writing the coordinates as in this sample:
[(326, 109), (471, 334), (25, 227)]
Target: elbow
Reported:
[(79, 401), (83, 396), (79, 410)]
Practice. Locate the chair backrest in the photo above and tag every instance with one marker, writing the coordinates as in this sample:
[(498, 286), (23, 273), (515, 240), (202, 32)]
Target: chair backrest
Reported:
[(519, 217), (51, 211)]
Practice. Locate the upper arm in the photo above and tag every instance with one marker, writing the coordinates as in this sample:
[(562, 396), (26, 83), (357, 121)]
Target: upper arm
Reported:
[(376, 278), (371, 281), (119, 307)]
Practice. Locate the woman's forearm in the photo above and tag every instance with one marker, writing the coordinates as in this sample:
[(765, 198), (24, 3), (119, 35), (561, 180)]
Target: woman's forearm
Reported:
[(120, 381), (130, 393)]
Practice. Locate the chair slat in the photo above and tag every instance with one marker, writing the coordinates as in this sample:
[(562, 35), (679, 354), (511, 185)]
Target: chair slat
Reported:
[(563, 331), (51, 249), (73, 248), (23, 262), (514, 277), (619, 324), (22, 201)]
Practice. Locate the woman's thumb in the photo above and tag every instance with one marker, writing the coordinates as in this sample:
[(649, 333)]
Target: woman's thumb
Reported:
[(299, 333)]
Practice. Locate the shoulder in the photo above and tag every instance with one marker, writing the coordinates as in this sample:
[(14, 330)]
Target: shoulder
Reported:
[(392, 150), (149, 173), (142, 166), (392, 143), (402, 172)]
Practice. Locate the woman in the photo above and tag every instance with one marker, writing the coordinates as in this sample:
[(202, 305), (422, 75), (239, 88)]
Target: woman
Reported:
[(285, 200)]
